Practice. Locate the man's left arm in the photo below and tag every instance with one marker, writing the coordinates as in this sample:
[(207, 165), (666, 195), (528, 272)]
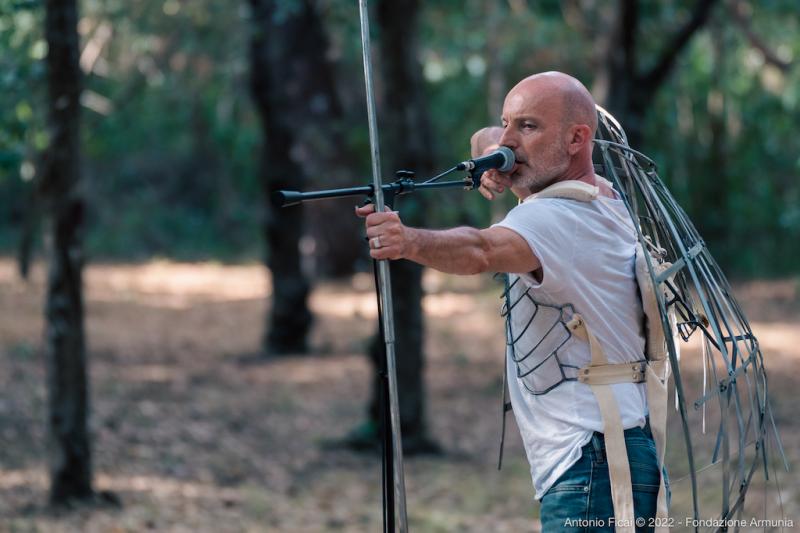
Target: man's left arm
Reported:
[(461, 250)]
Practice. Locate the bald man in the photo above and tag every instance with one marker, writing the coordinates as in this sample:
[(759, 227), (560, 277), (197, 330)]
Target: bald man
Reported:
[(562, 256)]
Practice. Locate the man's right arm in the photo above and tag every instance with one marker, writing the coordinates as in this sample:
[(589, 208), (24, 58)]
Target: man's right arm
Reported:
[(468, 250), (461, 250)]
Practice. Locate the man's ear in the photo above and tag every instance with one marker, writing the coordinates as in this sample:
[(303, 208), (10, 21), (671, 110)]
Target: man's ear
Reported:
[(579, 136)]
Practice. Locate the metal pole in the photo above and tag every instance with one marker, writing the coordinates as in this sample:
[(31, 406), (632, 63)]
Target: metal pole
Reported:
[(383, 276)]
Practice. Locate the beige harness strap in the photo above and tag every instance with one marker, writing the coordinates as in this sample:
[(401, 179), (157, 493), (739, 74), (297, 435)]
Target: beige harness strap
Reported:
[(657, 373), (616, 453), (610, 374), (657, 402), (570, 189)]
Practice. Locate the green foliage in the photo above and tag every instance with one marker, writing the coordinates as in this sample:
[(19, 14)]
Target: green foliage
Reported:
[(744, 198), (21, 112), (171, 141), (741, 187), (172, 164)]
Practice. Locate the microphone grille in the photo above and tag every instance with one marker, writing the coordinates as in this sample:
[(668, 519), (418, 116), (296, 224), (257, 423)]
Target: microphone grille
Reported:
[(508, 158)]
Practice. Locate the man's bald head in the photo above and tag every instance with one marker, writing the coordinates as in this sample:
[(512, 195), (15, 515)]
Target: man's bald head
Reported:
[(549, 120), (578, 105)]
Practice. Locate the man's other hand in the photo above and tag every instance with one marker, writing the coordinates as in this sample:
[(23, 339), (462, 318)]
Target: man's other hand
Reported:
[(484, 141), (493, 183)]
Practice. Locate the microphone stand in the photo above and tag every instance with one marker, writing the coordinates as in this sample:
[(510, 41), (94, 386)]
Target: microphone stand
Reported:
[(404, 184)]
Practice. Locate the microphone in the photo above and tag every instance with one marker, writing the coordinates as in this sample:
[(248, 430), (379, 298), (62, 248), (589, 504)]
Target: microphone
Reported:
[(502, 159)]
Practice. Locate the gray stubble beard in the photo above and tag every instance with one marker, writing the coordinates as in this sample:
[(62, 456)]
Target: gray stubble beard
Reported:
[(540, 181)]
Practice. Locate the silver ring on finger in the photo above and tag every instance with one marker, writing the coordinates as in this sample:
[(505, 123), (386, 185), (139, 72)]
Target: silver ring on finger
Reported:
[(376, 242)]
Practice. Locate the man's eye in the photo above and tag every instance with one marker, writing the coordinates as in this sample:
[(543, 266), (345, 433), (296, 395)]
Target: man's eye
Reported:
[(529, 125)]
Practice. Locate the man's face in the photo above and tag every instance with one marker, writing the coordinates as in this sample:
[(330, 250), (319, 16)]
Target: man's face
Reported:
[(533, 128)]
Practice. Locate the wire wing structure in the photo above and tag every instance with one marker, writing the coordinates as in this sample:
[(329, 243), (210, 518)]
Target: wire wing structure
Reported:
[(729, 432)]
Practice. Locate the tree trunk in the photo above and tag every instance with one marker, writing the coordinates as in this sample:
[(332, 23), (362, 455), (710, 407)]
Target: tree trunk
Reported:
[(714, 205), (65, 349), (496, 69), (406, 134), (631, 91), (290, 320), (310, 106)]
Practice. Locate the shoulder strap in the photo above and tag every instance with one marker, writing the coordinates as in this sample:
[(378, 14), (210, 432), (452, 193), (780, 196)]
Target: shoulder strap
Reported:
[(570, 189)]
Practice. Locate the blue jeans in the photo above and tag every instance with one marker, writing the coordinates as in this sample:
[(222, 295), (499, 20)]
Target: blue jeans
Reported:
[(580, 500)]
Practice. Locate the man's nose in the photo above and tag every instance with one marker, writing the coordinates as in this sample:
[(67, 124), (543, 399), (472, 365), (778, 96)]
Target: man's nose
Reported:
[(507, 139)]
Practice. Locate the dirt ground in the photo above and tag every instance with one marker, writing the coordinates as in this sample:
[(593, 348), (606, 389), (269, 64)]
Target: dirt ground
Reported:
[(194, 435)]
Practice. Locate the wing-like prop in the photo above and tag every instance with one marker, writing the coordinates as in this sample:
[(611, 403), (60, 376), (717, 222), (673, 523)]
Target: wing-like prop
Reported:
[(726, 390)]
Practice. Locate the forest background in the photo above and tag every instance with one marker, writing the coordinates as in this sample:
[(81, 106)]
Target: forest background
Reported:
[(171, 141)]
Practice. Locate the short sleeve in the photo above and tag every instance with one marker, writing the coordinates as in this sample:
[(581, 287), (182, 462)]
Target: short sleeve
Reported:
[(548, 226)]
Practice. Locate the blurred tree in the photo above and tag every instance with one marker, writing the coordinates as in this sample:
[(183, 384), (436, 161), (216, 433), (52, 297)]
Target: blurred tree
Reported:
[(273, 58), (312, 106), (65, 347), (621, 85), (722, 127), (708, 189), (407, 135)]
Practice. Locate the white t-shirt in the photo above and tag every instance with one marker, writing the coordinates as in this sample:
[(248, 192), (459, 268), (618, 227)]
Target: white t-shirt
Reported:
[(587, 255)]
